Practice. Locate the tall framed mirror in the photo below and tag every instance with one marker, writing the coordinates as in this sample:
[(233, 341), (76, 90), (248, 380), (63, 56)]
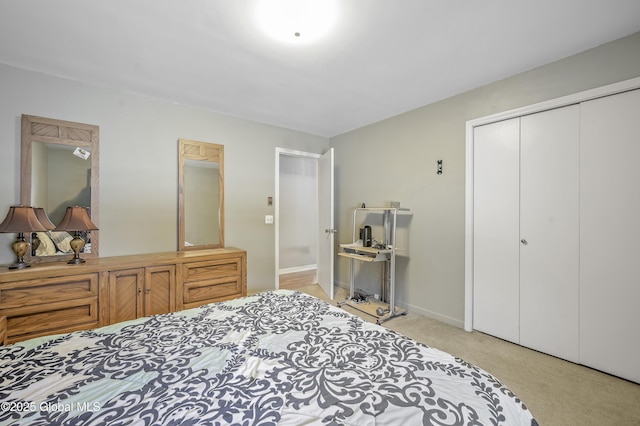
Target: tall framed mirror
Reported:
[(200, 195), (60, 168)]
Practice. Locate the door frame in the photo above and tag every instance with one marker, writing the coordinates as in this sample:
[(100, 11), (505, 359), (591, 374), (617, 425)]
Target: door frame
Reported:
[(276, 220), (575, 98)]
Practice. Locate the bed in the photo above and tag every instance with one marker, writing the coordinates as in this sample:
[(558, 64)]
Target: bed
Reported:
[(279, 357)]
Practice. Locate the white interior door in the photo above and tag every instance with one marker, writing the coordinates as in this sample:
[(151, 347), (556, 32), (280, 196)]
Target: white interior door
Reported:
[(326, 231), (549, 231)]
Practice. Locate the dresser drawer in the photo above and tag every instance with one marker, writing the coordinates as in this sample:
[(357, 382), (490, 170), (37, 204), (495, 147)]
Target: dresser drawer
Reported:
[(212, 280), (49, 306), (51, 318), (34, 292), (211, 269), (209, 291)]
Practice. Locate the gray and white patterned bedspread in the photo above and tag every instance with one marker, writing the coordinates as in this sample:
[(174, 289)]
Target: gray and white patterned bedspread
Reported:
[(279, 357)]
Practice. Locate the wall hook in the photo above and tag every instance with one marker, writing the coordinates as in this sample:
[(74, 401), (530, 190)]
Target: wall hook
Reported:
[(439, 167)]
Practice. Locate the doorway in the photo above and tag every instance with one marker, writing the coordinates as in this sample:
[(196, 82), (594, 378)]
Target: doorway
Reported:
[(304, 232)]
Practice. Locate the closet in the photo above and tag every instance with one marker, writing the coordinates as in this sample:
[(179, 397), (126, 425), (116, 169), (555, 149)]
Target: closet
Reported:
[(526, 231), (555, 230)]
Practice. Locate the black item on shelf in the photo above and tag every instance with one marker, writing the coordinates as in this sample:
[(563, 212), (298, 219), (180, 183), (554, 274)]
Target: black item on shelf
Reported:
[(365, 236)]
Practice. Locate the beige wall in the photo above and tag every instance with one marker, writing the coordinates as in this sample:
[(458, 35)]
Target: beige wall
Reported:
[(139, 164), (395, 159)]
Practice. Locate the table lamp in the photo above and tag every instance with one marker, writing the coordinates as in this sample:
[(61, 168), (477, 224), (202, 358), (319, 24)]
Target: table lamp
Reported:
[(76, 220), (46, 222), (43, 218), (21, 219)]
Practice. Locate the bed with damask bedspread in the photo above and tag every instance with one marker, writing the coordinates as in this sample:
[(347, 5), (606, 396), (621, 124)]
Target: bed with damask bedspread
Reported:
[(278, 357)]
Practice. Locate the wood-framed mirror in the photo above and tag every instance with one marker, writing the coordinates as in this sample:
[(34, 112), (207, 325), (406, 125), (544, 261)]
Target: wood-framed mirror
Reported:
[(60, 168), (200, 195)]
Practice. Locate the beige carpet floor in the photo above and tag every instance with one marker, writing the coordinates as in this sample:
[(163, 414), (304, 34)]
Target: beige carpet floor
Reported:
[(557, 392)]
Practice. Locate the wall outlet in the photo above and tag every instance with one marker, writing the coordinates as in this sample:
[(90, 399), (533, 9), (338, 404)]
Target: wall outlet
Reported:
[(268, 218)]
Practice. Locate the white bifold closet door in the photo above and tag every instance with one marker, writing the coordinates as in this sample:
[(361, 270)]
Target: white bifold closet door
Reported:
[(550, 231), (496, 217), (610, 235), (526, 230)]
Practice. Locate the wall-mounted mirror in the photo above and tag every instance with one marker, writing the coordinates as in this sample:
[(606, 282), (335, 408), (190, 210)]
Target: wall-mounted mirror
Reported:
[(59, 169), (200, 195)]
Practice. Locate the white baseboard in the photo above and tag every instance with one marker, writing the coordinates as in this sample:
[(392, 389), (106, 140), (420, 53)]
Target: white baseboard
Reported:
[(297, 269), (434, 315)]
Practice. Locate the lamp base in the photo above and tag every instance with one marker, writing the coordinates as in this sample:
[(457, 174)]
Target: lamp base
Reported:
[(77, 244), (20, 248), (20, 265), (76, 260)]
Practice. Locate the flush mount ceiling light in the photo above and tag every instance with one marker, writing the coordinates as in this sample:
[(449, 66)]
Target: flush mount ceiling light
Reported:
[(296, 21)]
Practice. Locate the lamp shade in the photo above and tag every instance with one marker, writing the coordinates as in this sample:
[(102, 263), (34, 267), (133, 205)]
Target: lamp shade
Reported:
[(76, 218), (21, 219), (43, 218)]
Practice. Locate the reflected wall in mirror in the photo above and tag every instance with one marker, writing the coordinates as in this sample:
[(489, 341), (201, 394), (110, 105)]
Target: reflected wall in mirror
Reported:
[(59, 169), (200, 195)]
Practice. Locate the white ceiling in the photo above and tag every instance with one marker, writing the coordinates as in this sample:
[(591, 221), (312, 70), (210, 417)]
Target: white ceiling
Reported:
[(383, 58)]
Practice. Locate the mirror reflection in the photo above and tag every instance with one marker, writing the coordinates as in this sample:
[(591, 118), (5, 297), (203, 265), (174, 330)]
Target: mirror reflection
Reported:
[(201, 202), (60, 177), (201, 195), (59, 169)]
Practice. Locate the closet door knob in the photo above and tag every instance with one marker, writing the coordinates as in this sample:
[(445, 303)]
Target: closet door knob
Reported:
[(524, 242)]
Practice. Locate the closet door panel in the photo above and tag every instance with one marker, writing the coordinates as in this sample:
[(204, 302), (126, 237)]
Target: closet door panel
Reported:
[(549, 228), (496, 195), (610, 235)]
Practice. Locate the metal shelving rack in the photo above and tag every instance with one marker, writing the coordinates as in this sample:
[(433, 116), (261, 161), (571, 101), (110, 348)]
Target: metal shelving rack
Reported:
[(385, 309)]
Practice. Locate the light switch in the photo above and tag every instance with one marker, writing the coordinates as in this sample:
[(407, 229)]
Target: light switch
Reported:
[(268, 218)]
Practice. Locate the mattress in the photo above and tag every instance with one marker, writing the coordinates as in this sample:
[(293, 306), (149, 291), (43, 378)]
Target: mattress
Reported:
[(275, 358)]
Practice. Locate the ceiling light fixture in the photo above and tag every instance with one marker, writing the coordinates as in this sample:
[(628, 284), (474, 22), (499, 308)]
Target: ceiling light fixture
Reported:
[(296, 21)]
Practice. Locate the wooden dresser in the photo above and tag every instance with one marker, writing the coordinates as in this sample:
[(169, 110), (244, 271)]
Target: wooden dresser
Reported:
[(3, 330), (52, 298)]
